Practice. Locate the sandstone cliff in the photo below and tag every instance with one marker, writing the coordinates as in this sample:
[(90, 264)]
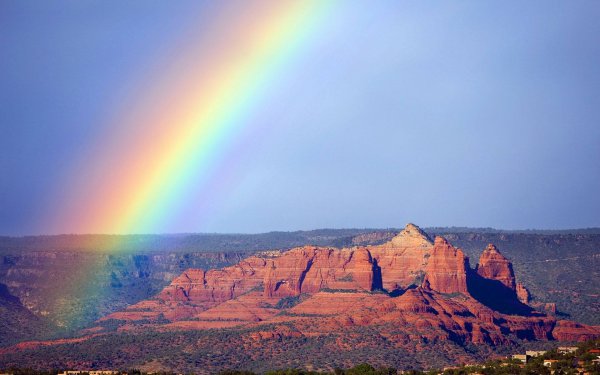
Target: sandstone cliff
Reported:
[(308, 270), (404, 258), (493, 265), (447, 269), (321, 290)]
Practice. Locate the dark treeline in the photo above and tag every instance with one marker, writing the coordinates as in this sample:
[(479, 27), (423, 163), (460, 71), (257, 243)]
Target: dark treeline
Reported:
[(584, 360)]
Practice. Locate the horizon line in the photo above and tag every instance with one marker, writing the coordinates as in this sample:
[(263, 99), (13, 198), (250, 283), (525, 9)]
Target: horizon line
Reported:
[(426, 228)]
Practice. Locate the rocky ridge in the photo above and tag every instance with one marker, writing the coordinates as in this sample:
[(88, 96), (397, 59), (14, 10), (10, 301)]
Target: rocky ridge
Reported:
[(408, 296), (495, 266), (447, 269), (425, 288)]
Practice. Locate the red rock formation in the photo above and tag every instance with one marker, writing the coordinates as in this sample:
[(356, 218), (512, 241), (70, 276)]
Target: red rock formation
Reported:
[(325, 291), (300, 270), (493, 265), (314, 292), (549, 307), (195, 291), (447, 268), (411, 236), (522, 293), (308, 270), (216, 286), (571, 331), (404, 258)]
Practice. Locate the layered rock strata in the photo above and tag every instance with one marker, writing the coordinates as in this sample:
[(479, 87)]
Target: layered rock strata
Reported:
[(423, 288), (447, 269), (495, 266)]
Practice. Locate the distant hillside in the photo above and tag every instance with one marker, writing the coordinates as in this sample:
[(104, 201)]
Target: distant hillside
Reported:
[(176, 242), (16, 321), (442, 230), (218, 242)]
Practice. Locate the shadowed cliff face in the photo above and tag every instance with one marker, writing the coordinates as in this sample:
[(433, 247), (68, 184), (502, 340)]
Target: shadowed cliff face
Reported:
[(377, 277), (493, 283), (497, 296), (447, 268), (558, 271), (495, 266)]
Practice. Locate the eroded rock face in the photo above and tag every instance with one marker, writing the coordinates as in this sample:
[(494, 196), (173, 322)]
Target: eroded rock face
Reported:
[(411, 237), (493, 265), (301, 270), (522, 293), (549, 307), (308, 270), (216, 286), (447, 268), (325, 290), (395, 264), (404, 258), (571, 331)]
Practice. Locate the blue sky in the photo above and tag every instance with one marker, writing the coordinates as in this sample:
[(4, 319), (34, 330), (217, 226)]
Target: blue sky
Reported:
[(468, 113)]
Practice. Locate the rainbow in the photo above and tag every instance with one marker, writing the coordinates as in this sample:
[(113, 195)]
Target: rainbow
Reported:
[(176, 138)]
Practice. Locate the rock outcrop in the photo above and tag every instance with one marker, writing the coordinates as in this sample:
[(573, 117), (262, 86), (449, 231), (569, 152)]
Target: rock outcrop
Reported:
[(493, 283), (216, 286), (308, 270), (301, 270), (411, 237), (447, 269), (403, 259), (493, 265), (409, 294), (522, 293), (571, 331), (315, 291)]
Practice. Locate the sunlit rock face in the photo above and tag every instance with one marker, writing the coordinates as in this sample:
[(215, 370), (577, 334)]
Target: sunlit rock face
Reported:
[(314, 291), (493, 265), (404, 258), (447, 268)]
